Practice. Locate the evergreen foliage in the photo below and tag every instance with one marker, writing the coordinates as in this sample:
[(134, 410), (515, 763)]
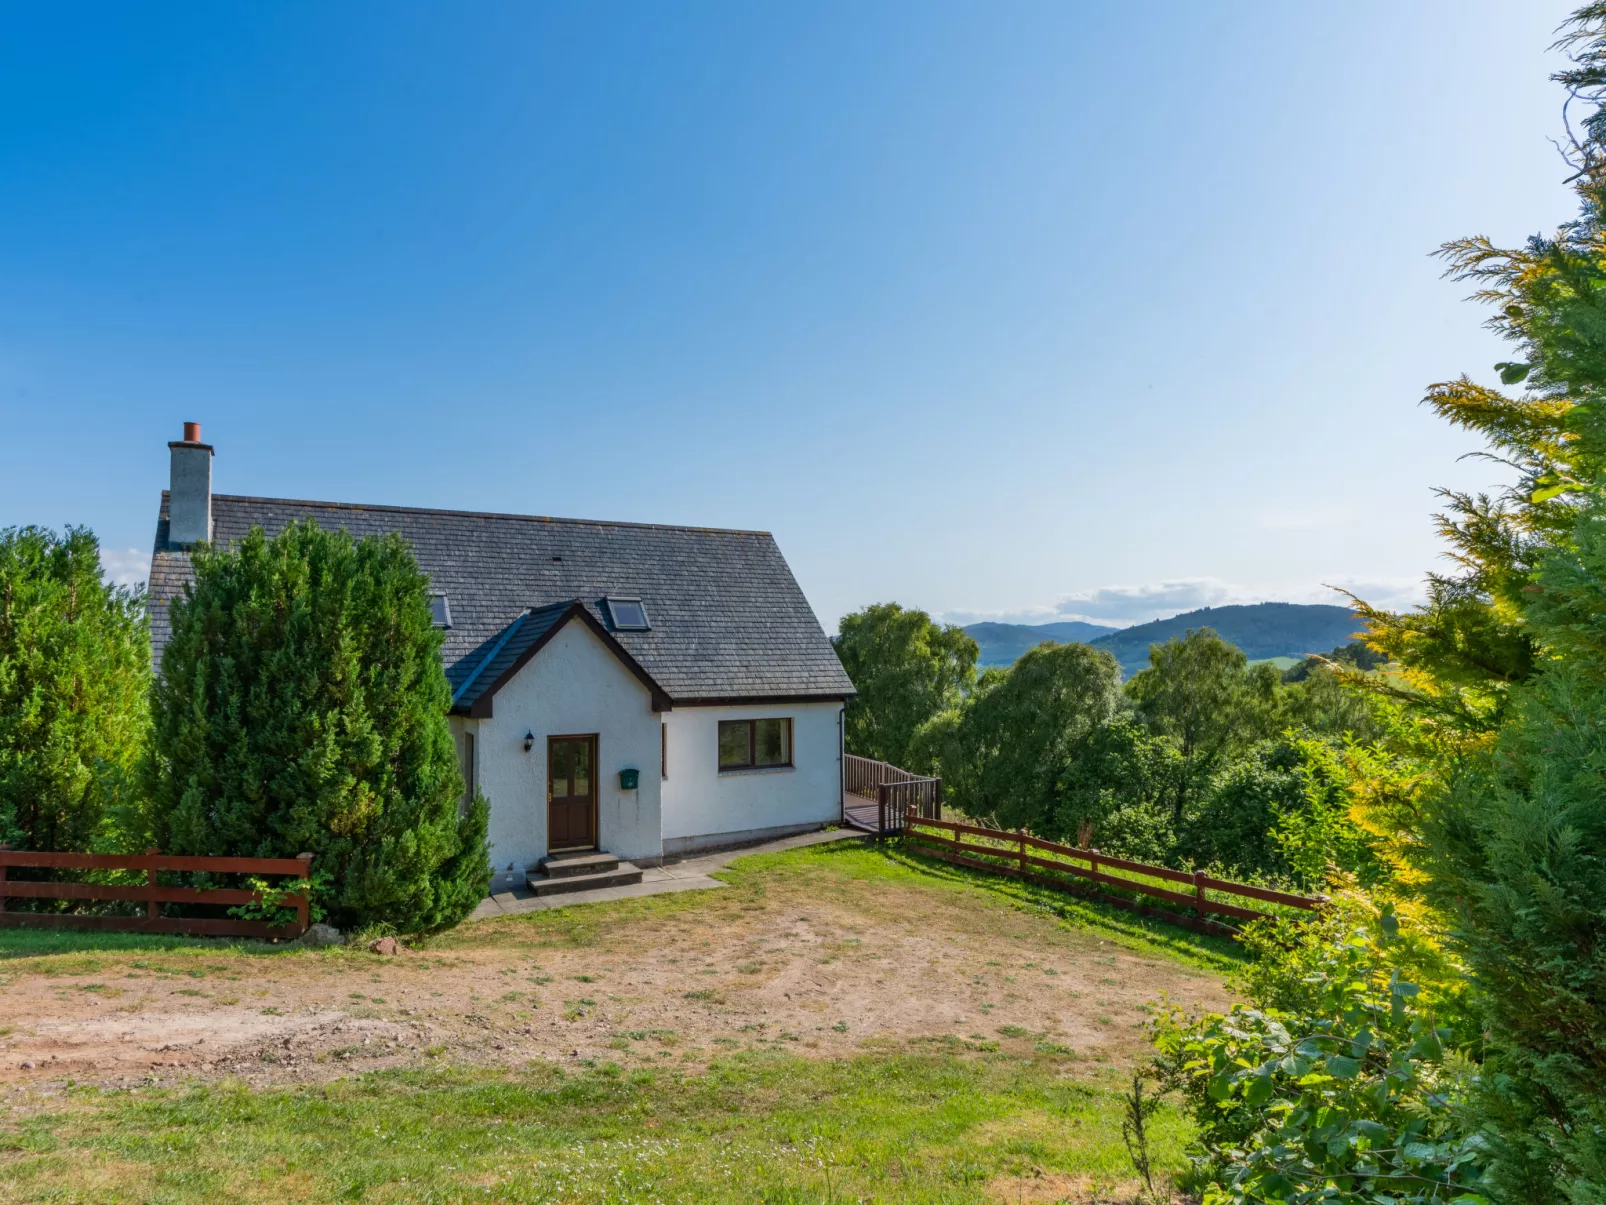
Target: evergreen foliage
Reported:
[(907, 670), (302, 707), (1521, 865), (74, 673)]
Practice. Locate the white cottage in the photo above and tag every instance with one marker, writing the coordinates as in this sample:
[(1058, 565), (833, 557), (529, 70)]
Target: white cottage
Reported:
[(620, 691)]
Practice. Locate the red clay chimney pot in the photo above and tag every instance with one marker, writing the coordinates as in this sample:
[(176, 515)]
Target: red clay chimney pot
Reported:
[(192, 433)]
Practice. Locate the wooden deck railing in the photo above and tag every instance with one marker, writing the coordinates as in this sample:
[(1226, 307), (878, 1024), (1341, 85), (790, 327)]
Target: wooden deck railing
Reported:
[(918, 797), (1069, 868), (152, 893), (893, 790), (863, 775)]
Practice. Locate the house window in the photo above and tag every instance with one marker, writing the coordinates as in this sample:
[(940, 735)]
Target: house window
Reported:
[(628, 614), (663, 752), (440, 610), (754, 744)]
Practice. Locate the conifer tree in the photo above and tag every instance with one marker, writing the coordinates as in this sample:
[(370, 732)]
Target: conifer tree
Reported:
[(1505, 669), (74, 674), (302, 707)]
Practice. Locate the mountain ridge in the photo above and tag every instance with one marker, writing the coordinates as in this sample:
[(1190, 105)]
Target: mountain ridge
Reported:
[(1261, 630)]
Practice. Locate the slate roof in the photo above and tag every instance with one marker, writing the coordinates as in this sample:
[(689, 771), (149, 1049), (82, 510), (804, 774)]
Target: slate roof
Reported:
[(728, 619)]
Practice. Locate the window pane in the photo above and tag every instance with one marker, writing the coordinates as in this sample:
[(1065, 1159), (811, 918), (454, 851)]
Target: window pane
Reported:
[(581, 763), (773, 742), (560, 768), (734, 737), (627, 613)]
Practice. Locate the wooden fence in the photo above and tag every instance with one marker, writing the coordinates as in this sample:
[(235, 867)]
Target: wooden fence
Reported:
[(152, 893), (1083, 871)]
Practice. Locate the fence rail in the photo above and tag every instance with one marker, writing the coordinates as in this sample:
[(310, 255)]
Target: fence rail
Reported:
[(153, 893), (1082, 871)]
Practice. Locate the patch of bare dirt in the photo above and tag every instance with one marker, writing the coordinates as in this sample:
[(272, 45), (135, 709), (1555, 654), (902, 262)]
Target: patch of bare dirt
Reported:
[(1044, 1189), (821, 966)]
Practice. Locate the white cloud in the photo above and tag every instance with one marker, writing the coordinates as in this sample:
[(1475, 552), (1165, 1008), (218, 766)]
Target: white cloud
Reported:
[(1122, 606), (125, 566)]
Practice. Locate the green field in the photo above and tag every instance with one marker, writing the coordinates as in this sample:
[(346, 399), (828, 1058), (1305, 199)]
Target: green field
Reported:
[(998, 1114)]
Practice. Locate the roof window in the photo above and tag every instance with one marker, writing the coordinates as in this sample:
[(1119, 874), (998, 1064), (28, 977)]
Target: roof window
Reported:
[(628, 614), (440, 609)]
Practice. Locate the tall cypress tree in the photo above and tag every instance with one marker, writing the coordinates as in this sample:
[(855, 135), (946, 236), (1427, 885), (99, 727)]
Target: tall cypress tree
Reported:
[(302, 707), (1521, 846), (1507, 665), (74, 674)]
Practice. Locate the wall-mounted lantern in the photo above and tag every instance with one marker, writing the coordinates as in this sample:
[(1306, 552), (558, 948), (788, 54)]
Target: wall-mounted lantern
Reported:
[(529, 741), (629, 780)]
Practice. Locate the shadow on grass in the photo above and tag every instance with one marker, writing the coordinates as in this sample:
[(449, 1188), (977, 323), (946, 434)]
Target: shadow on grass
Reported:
[(892, 860)]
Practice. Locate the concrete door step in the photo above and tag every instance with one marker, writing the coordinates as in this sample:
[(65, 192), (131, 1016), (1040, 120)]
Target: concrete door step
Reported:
[(622, 874), (562, 866)]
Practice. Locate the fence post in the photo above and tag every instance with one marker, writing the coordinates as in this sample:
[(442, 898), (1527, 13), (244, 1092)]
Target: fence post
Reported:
[(881, 816), (1021, 857), (4, 848), (1198, 892), (936, 801), (1093, 861), (152, 908), (304, 904)]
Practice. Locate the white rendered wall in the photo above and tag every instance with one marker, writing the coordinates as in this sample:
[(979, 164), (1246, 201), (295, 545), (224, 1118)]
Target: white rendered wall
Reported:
[(573, 687), (702, 802)]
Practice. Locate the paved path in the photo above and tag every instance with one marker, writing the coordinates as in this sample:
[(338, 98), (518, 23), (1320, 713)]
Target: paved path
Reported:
[(692, 874)]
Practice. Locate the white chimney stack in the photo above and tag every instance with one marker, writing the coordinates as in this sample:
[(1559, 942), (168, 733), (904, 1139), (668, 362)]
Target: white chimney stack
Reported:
[(189, 498)]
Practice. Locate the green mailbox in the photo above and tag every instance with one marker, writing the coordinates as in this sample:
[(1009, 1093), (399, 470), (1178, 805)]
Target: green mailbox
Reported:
[(629, 780)]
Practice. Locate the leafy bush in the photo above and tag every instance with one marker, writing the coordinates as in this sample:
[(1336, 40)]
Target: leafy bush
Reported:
[(1233, 827), (1116, 787), (1334, 1085), (302, 707)]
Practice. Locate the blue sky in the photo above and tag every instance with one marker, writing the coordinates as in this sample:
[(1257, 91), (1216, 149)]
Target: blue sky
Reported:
[(1001, 310)]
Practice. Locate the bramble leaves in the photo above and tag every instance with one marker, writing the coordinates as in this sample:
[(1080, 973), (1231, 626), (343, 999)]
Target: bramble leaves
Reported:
[(1345, 1102)]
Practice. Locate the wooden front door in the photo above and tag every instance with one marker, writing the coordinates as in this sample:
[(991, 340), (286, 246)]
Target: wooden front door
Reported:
[(571, 792)]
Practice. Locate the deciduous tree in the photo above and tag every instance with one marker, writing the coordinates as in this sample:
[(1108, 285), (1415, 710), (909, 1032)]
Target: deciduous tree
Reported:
[(907, 670), (1198, 691)]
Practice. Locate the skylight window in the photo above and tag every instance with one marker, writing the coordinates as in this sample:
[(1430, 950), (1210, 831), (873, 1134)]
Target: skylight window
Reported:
[(628, 614), (440, 608)]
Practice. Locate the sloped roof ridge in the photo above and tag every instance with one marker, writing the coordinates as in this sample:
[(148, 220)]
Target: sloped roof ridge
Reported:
[(500, 643), (491, 514)]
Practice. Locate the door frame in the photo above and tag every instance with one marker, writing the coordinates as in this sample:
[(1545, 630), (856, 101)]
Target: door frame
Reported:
[(596, 827)]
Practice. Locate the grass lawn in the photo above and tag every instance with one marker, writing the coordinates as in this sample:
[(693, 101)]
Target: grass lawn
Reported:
[(728, 1090)]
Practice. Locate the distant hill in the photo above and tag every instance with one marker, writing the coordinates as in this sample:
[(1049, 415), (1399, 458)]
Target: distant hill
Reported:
[(1003, 643), (1261, 630)]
